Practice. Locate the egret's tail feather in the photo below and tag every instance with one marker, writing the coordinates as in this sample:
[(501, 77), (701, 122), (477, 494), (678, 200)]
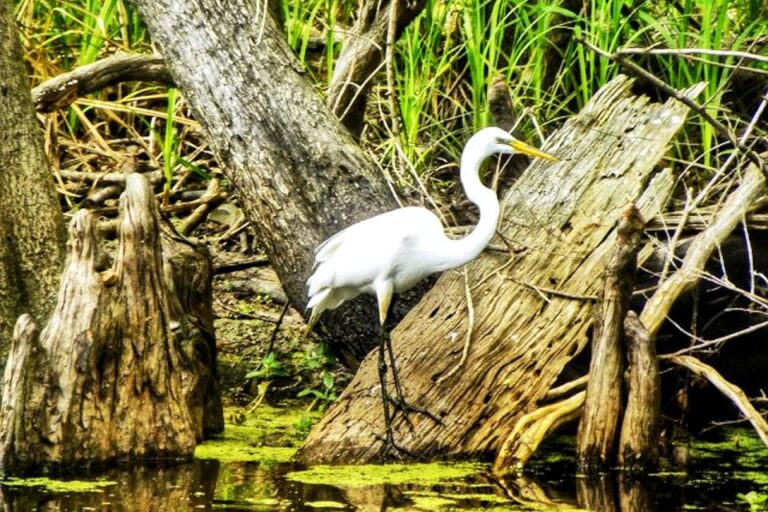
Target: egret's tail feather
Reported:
[(317, 305), (311, 323), (327, 298)]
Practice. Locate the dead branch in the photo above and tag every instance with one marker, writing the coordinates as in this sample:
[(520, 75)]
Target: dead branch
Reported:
[(60, 91), (234, 266), (692, 51), (109, 178), (733, 392), (211, 198), (566, 389), (732, 212), (689, 102), (362, 56)]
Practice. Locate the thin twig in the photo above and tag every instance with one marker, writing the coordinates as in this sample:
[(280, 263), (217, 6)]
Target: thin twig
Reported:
[(690, 103), (703, 344), (692, 51), (470, 329), (234, 266), (549, 291), (273, 336)]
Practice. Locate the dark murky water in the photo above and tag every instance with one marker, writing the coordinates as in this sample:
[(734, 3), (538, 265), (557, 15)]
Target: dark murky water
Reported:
[(725, 476)]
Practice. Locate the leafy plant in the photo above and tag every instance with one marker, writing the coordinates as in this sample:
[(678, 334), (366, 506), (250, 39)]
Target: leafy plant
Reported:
[(757, 501), (269, 369), (323, 396)]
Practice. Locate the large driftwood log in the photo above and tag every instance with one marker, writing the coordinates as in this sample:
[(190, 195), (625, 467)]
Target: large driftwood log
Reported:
[(125, 367), (599, 427), (638, 443), (561, 221)]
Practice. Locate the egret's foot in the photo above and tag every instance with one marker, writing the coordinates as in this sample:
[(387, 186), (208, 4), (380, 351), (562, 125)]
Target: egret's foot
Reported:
[(400, 404), (392, 448)]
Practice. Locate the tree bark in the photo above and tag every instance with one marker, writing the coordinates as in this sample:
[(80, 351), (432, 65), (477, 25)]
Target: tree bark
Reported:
[(561, 221), (31, 224), (599, 427), (126, 366), (297, 171)]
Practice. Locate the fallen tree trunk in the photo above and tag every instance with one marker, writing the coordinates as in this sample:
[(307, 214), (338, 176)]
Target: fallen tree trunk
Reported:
[(561, 222), (126, 366), (296, 170)]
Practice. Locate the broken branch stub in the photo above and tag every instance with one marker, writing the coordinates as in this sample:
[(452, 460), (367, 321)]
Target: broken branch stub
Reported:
[(125, 367)]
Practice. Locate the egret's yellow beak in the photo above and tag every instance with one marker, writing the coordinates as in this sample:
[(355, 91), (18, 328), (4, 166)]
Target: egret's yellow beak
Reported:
[(522, 147)]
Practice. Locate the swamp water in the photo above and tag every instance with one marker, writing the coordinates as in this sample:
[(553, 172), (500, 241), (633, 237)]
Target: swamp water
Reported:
[(240, 472)]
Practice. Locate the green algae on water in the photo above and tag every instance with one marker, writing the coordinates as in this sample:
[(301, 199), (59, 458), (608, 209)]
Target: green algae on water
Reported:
[(433, 502), (378, 474), (62, 486), (326, 504), (263, 436), (233, 450), (743, 445)]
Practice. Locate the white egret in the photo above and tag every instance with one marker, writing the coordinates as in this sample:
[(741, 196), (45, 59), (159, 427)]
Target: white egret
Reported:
[(392, 252)]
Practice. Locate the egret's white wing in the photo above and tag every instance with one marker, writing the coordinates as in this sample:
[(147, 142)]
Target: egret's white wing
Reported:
[(364, 252)]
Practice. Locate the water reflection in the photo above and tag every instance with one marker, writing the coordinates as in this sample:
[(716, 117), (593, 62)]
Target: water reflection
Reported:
[(148, 487), (717, 483)]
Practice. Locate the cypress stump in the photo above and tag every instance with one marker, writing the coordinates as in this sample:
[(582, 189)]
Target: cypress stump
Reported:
[(126, 366)]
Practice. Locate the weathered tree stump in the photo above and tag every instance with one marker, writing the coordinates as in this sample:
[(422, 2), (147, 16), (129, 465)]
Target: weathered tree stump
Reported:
[(125, 367), (599, 427), (641, 424)]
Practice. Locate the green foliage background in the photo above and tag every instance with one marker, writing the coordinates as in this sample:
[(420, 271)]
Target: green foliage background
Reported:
[(445, 62)]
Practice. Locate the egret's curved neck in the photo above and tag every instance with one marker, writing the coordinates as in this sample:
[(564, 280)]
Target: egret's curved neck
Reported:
[(459, 252)]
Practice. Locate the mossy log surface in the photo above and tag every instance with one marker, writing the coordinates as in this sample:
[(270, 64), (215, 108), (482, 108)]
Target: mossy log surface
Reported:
[(125, 367), (561, 220)]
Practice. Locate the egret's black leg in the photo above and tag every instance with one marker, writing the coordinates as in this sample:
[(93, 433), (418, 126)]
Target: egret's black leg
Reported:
[(388, 439), (400, 402)]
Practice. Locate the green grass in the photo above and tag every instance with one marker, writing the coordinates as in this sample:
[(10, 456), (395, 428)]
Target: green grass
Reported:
[(445, 62)]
